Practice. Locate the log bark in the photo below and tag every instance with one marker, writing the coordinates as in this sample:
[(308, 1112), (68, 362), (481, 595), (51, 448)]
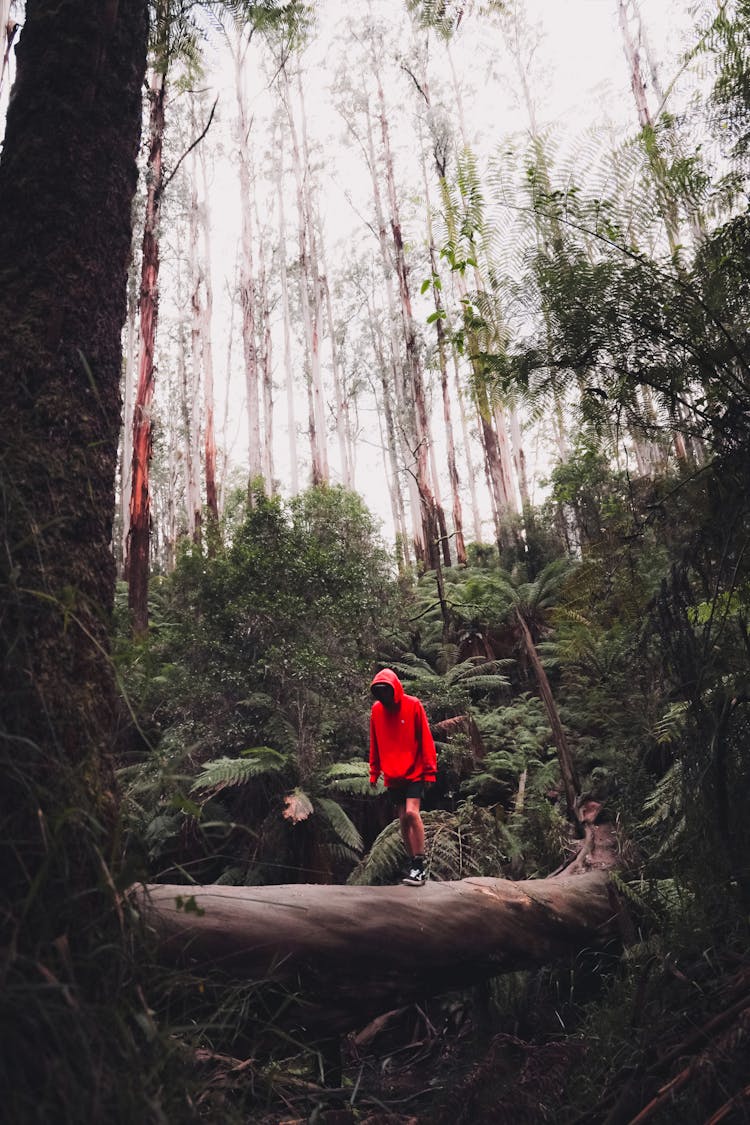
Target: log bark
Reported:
[(353, 952)]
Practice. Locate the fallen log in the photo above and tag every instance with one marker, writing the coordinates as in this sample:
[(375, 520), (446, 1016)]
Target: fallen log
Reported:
[(353, 952)]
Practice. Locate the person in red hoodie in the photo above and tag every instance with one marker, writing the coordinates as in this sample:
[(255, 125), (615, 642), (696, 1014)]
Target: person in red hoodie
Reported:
[(402, 749)]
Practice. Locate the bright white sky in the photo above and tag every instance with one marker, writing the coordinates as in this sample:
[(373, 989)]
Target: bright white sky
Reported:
[(579, 80)]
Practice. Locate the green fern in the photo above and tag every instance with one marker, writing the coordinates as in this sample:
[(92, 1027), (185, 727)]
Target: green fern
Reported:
[(226, 773), (672, 724), (342, 826), (383, 861), (470, 841)]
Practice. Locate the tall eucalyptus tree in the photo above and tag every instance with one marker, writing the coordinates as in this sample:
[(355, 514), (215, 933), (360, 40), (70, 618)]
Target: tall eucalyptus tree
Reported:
[(174, 37)]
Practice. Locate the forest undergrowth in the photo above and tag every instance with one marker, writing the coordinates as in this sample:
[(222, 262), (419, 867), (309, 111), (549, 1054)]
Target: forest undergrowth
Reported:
[(215, 791)]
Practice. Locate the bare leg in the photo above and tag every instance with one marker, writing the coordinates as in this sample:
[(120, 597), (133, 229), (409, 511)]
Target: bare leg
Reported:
[(412, 828)]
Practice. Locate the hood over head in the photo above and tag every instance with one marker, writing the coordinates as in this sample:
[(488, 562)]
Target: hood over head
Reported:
[(388, 676)]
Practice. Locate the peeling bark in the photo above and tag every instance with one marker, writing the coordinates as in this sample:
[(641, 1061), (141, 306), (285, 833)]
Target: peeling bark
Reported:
[(139, 539)]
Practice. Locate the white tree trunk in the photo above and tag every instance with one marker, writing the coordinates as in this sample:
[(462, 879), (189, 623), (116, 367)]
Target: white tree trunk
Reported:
[(207, 351), (396, 364), (309, 301), (391, 442), (453, 477), (192, 400), (342, 408), (8, 30), (238, 47), (286, 322), (309, 212), (265, 350)]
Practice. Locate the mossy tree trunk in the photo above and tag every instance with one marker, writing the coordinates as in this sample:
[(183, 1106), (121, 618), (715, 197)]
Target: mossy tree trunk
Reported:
[(67, 179)]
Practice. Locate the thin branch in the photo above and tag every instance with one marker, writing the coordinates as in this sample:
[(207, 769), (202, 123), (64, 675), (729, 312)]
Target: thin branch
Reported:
[(414, 79), (187, 151)]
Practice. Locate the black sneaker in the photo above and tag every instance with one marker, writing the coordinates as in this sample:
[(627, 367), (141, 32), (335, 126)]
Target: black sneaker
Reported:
[(415, 875)]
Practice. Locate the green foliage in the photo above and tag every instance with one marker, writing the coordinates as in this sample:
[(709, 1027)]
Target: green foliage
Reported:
[(470, 841), (268, 643), (339, 822), (227, 772), (352, 778)]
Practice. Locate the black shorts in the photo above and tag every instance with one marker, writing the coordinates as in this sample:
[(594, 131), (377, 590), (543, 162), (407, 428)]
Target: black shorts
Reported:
[(400, 790)]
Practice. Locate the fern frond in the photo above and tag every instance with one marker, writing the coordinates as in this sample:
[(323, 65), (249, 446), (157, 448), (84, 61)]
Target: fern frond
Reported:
[(357, 768), (355, 786), (383, 861), (340, 823), (226, 773), (671, 725)]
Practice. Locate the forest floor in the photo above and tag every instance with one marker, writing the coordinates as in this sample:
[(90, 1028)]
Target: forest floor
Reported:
[(448, 1064)]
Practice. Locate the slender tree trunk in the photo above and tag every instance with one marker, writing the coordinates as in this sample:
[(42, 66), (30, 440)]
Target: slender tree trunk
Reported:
[(342, 408), (467, 443), (309, 216), (65, 243), (266, 356), (138, 554), (206, 326), (192, 396), (170, 505), (128, 404), (632, 46), (571, 784), (399, 519), (8, 31), (248, 291), (226, 445), (415, 400), (396, 366), (308, 287), (423, 89), (497, 461), (453, 477), (399, 525), (519, 457), (287, 327)]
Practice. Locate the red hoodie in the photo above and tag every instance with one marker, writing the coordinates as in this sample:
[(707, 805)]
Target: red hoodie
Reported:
[(401, 746)]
